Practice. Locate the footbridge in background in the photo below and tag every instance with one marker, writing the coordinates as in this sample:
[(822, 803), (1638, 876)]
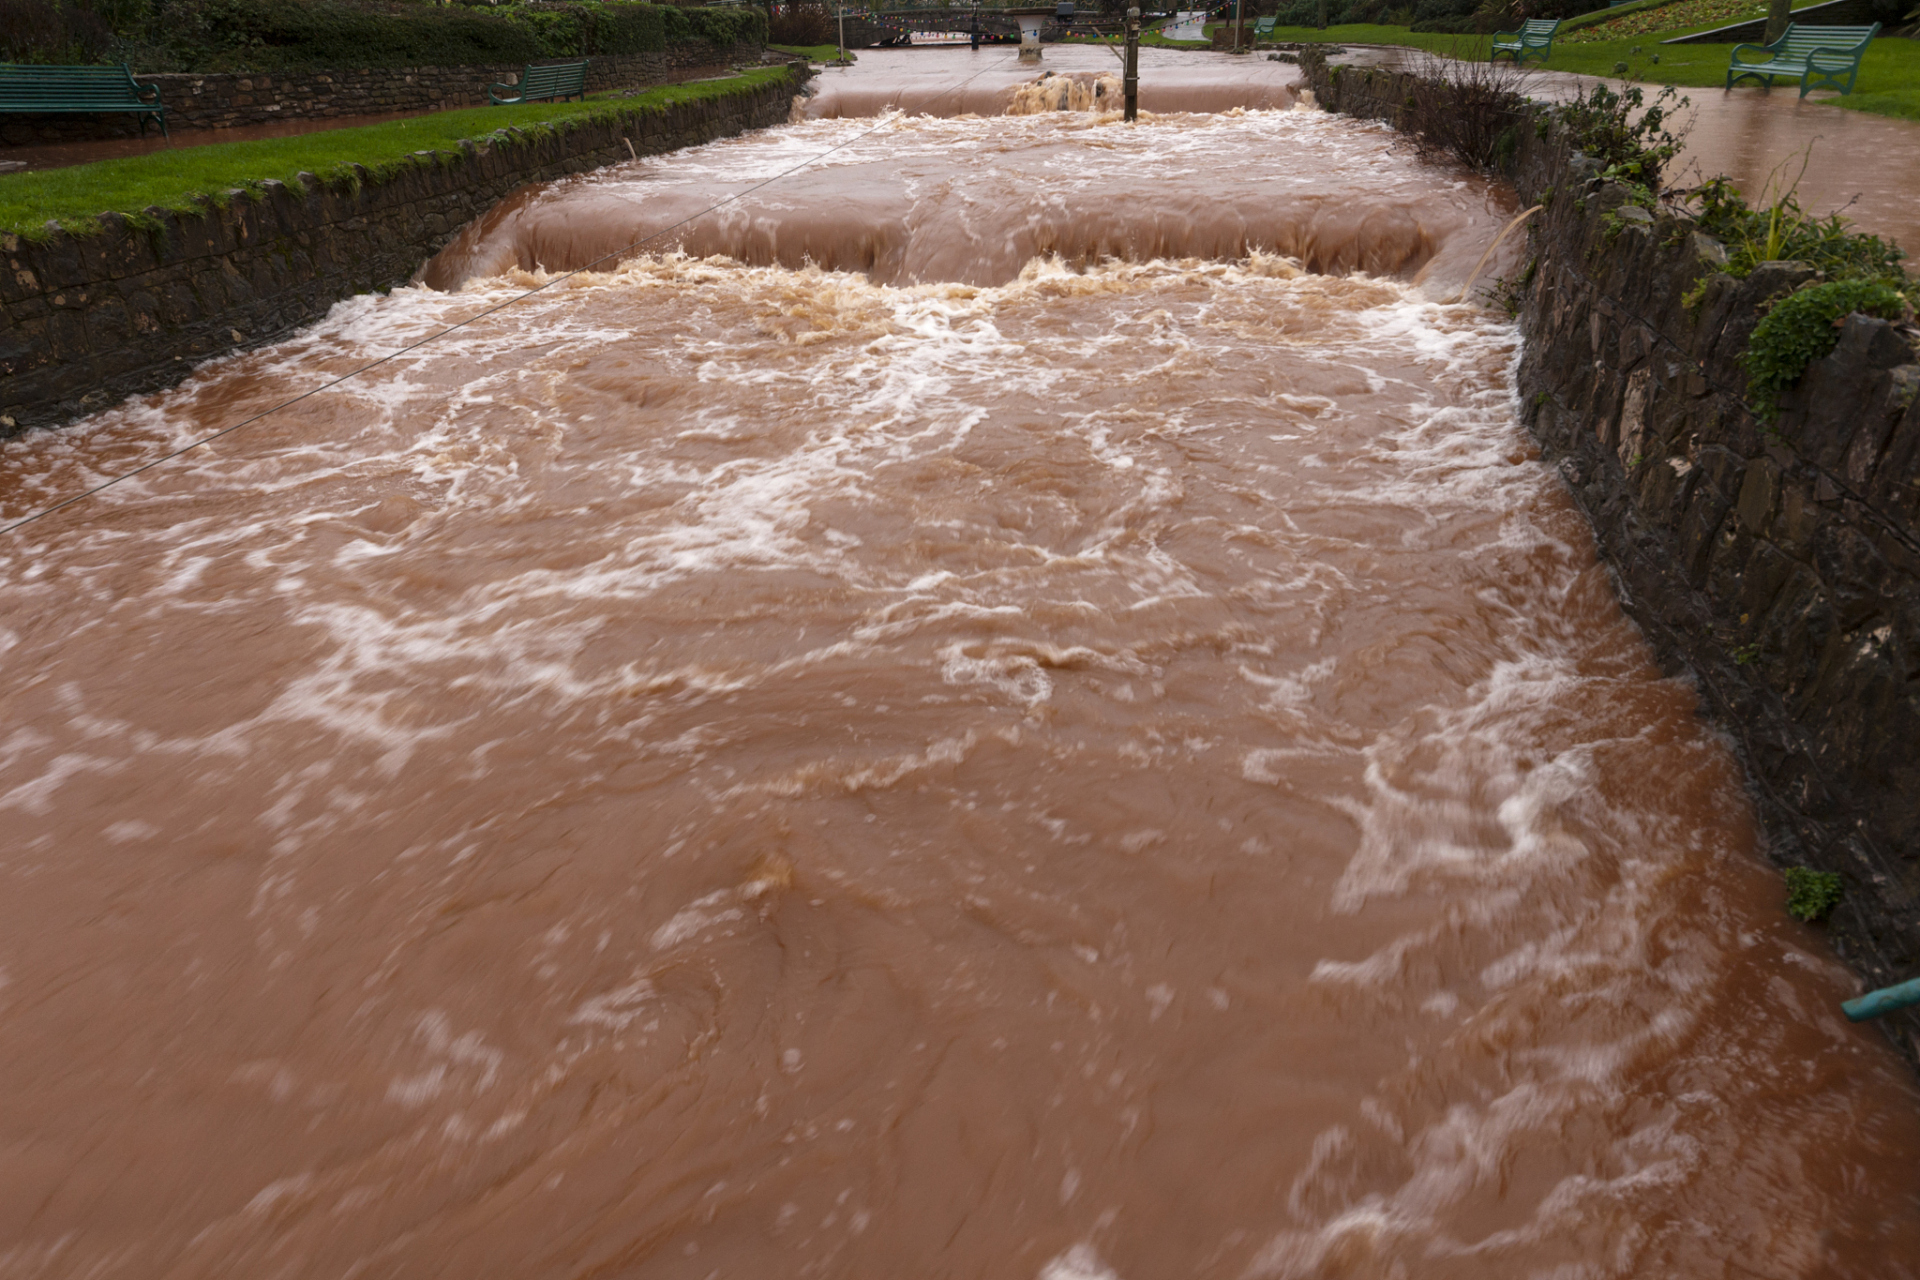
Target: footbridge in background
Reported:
[(896, 26)]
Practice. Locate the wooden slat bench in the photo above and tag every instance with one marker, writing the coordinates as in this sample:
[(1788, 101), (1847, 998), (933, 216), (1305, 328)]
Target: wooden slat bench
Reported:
[(1534, 39), (35, 90), (542, 84), (1818, 57)]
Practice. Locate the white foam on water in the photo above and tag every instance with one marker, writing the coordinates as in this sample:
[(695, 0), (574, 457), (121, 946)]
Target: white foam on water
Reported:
[(1081, 1262)]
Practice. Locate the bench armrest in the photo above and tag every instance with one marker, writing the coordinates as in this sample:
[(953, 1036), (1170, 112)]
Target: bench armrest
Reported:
[(1843, 55), (1752, 48), (1505, 35), (142, 90)]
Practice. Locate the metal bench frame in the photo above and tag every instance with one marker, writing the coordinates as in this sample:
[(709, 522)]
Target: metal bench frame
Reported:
[(1841, 58), (559, 80), (26, 89), (1534, 39)]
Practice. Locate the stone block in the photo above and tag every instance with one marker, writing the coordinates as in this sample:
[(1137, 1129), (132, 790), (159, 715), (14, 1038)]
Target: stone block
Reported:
[(66, 336), (24, 346), (109, 324), (1759, 491), (178, 305)]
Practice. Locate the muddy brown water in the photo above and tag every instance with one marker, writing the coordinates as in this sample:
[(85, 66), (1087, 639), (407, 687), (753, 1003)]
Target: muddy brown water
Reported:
[(1056, 770)]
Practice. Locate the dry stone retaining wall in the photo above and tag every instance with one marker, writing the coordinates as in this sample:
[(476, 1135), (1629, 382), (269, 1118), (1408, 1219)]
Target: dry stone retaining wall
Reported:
[(1777, 564), (86, 320)]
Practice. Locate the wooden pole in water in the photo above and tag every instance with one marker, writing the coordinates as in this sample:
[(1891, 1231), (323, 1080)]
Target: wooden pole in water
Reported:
[(1130, 83)]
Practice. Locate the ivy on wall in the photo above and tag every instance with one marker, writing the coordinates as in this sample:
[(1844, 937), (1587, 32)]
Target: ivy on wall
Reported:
[(1805, 326)]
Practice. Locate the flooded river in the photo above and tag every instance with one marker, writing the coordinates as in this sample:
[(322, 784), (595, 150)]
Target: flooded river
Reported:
[(1015, 703)]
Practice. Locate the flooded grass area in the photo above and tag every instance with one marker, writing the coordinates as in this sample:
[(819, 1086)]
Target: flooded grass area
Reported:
[(1889, 81)]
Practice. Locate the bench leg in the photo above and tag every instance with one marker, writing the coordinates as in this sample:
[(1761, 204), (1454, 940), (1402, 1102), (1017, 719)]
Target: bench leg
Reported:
[(1813, 79)]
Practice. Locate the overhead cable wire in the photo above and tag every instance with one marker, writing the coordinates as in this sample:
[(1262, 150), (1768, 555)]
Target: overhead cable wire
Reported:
[(461, 324)]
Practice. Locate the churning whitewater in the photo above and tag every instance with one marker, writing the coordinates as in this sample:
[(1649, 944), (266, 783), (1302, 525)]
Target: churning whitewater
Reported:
[(1017, 704)]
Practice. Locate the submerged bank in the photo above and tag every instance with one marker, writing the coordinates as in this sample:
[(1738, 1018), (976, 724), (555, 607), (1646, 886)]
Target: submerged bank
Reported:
[(1124, 768)]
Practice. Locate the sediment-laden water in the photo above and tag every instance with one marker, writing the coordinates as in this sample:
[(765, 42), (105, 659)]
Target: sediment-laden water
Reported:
[(1061, 743)]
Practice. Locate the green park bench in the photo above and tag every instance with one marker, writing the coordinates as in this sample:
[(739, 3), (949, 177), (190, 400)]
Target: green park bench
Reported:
[(74, 90), (1818, 57), (542, 84), (1263, 29), (1534, 39)]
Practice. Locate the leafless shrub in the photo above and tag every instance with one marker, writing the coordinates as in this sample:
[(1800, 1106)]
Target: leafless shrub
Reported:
[(801, 24), (1466, 109)]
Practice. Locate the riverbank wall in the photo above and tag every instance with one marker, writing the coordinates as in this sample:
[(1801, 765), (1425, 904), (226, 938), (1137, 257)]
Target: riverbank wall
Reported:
[(89, 319), (1776, 564), (227, 100)]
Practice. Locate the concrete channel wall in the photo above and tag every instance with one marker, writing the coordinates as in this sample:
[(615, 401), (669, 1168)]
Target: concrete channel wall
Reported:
[(87, 320), (225, 100), (1778, 565)]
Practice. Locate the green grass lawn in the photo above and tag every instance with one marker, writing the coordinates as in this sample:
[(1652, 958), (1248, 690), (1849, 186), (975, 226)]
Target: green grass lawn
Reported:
[(172, 179), (1889, 81), (813, 52)]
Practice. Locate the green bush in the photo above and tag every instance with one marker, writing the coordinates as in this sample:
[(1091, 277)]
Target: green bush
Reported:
[(1803, 327), (54, 32), (725, 26), (1620, 131), (1783, 231), (279, 35), (1811, 894), (288, 35)]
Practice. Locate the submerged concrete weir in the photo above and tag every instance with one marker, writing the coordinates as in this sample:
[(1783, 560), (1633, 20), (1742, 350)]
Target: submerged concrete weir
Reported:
[(1124, 764)]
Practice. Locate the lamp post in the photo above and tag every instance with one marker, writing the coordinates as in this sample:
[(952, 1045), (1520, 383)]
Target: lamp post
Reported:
[(1239, 22), (1130, 82), (842, 9)]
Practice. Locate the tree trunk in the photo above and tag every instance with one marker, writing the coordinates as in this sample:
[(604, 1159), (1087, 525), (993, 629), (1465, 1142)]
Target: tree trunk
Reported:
[(1777, 19)]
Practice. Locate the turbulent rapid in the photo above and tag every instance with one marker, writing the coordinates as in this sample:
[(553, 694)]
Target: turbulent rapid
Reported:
[(1077, 741)]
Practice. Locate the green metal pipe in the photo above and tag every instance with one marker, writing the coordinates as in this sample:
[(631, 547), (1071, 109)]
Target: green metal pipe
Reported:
[(1885, 1000)]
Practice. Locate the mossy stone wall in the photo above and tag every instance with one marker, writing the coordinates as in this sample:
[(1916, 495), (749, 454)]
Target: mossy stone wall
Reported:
[(1775, 563)]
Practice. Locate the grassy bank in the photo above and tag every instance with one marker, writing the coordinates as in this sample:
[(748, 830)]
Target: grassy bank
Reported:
[(1889, 81), (175, 179), (813, 52)]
